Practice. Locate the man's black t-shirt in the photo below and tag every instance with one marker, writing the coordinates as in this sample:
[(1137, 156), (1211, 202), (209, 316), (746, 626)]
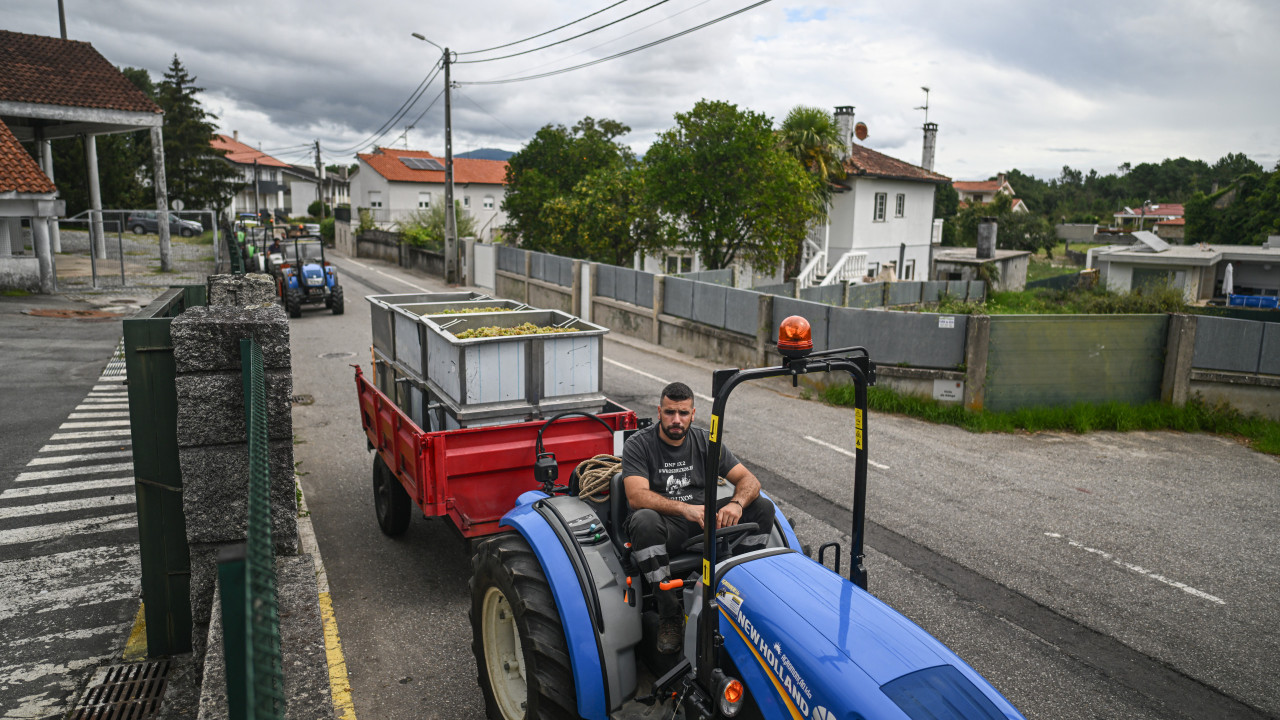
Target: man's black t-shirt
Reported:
[(675, 473)]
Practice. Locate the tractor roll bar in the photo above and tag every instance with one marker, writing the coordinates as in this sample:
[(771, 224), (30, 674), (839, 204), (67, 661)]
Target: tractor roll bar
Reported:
[(860, 368)]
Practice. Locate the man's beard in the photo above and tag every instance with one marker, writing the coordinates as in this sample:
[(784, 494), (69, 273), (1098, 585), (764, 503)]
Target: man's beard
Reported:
[(672, 433)]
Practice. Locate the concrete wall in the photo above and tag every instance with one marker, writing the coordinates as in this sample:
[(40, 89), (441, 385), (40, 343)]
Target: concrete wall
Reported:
[(344, 238), (20, 273), (379, 244)]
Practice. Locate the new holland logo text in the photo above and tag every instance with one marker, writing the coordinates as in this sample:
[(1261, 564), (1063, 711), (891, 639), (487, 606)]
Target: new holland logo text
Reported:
[(792, 684)]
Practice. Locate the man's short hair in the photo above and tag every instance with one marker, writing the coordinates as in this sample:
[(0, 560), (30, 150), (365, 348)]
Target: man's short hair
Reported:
[(677, 391)]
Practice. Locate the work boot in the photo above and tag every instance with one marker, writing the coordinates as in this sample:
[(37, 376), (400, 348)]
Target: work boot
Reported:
[(669, 635)]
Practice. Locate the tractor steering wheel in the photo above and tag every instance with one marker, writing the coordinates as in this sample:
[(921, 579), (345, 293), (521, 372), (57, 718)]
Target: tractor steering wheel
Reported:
[(738, 533)]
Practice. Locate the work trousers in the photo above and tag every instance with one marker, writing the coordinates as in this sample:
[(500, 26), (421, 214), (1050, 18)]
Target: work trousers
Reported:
[(655, 537)]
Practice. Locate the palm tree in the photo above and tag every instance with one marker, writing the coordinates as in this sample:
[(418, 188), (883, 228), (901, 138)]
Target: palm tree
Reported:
[(810, 135)]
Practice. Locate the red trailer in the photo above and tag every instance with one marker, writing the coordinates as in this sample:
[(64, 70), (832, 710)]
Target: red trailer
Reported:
[(471, 476)]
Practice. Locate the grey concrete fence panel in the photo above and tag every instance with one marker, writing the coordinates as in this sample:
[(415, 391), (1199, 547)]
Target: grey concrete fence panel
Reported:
[(958, 289), (537, 265), (565, 271), (866, 296), (925, 340), (932, 291), (977, 291), (816, 313), (723, 276), (708, 304), (741, 311), (786, 289), (624, 285), (677, 297), (1269, 357), (606, 281), (511, 259), (1227, 344), (904, 293), (825, 294), (644, 289), (1056, 360)]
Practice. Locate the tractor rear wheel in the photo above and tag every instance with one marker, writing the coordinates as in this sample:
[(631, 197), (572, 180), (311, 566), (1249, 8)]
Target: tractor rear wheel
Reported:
[(335, 300), (293, 303), (390, 502), (517, 636)]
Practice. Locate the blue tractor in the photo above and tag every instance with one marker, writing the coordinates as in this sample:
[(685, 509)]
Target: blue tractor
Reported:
[(304, 277), (563, 627)]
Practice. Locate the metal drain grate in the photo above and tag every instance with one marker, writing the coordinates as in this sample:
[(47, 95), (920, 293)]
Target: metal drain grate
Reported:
[(125, 692)]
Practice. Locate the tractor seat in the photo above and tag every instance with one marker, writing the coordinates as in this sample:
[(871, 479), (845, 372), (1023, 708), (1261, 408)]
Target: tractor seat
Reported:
[(682, 564)]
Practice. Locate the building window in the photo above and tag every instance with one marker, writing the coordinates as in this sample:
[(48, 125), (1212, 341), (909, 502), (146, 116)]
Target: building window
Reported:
[(908, 269), (901, 208), (873, 269), (375, 199), (677, 264), (882, 199), (488, 202), (424, 199), (466, 201)]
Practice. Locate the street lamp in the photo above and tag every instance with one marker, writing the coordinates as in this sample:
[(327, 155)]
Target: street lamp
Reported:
[(450, 219)]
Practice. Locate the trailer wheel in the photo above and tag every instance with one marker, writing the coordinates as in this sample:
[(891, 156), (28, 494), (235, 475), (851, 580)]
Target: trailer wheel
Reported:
[(390, 502), (517, 636)]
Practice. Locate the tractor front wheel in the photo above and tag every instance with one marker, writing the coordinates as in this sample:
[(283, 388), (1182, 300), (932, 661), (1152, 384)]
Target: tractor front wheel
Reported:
[(390, 502), (517, 636), (293, 303), (335, 300)]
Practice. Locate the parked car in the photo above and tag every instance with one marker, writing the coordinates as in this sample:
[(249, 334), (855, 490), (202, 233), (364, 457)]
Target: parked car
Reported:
[(145, 222)]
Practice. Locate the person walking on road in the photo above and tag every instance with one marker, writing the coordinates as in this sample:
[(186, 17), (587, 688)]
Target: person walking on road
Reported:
[(663, 474)]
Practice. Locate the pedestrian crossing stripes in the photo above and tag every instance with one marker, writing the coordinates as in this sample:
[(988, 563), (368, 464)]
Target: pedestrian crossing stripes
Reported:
[(69, 562)]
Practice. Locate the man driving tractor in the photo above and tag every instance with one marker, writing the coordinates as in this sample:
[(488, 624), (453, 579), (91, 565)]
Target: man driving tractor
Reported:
[(663, 473)]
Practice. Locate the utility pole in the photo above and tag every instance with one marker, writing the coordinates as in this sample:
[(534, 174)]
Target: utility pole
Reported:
[(256, 210), (62, 19), (320, 181), (450, 219)]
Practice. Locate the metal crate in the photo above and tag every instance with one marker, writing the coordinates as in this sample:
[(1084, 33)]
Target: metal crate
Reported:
[(382, 316), (513, 377)]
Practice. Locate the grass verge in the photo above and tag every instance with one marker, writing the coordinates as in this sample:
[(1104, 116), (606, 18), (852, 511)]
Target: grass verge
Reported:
[(1259, 433)]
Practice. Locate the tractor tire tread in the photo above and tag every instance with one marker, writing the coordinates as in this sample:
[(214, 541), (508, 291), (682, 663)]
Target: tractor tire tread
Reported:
[(335, 300), (394, 519), (551, 687)]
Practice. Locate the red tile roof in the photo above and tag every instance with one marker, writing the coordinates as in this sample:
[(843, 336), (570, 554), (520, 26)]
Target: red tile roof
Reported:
[(19, 173), (1175, 221), (865, 162), (386, 162), (52, 71), (977, 186), (1170, 210), (238, 152)]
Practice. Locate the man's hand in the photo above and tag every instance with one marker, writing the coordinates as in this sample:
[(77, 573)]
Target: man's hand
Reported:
[(728, 515), (694, 513)]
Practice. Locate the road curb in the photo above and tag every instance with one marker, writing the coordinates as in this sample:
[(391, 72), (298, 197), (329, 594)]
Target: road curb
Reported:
[(339, 684)]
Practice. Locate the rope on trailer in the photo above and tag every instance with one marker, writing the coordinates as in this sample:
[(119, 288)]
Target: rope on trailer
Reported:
[(594, 476)]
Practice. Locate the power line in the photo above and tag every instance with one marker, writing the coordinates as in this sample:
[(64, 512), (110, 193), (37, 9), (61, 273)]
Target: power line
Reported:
[(621, 54), (395, 118), (535, 37), (491, 115), (427, 108), (565, 40)]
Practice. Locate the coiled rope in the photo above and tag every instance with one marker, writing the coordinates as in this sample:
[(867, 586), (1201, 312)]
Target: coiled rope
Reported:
[(594, 476)]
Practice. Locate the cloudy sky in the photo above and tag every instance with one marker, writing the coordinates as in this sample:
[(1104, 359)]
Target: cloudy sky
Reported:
[(1032, 85)]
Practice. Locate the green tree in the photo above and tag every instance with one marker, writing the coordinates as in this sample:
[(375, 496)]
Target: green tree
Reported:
[(550, 166), (1245, 212), (425, 228), (194, 172), (811, 136), (606, 218), (734, 192)]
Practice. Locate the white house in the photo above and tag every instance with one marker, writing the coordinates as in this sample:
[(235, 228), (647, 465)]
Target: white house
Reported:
[(884, 208), (393, 184), (302, 188), (272, 191), (1197, 270), (983, 192)]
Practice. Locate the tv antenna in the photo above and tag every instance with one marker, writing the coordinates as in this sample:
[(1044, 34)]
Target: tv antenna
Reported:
[(405, 135), (925, 106)]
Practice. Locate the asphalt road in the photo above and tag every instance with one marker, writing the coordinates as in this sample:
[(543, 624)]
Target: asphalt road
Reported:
[(1104, 575)]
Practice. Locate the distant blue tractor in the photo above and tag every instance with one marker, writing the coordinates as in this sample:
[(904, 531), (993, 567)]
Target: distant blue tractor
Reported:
[(563, 627), (304, 277)]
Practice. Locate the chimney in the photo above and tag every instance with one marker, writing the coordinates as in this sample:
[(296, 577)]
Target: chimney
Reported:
[(1000, 179), (235, 135), (987, 238), (844, 121), (930, 142)]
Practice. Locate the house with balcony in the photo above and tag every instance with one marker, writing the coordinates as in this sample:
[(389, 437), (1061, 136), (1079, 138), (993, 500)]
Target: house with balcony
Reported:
[(393, 184), (266, 179)]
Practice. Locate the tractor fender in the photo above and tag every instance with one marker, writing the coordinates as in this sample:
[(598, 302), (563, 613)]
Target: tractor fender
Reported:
[(587, 581)]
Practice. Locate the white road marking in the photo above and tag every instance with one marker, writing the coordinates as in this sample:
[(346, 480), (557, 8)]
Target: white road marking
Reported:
[(655, 378), (39, 533), (97, 406), (1138, 569), (114, 502), (48, 702), (842, 451), (98, 415), (87, 445), (81, 635), (92, 424), (89, 434), (119, 482), (111, 399), (79, 458), (72, 472), (402, 280), (357, 264), (110, 387)]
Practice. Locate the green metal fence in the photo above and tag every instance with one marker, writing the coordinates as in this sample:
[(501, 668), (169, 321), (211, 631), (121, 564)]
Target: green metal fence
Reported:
[(153, 417), (247, 576), (233, 252)]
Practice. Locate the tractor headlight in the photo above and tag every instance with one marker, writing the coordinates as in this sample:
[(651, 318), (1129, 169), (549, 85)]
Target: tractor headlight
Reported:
[(730, 696)]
